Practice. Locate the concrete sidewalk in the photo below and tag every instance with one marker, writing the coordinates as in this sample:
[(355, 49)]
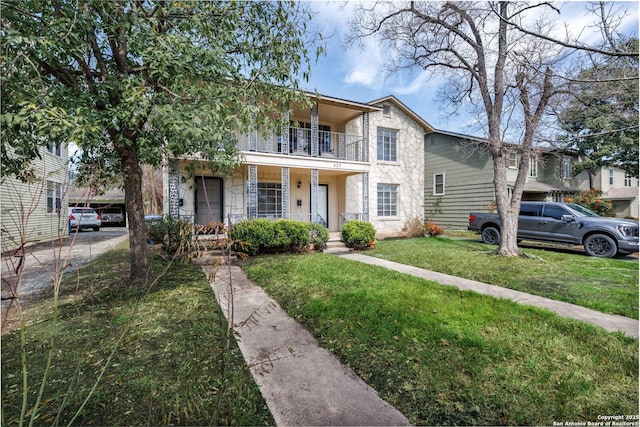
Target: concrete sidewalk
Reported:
[(609, 322), (302, 383)]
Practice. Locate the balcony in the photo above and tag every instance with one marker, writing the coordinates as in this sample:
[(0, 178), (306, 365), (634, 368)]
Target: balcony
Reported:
[(331, 145)]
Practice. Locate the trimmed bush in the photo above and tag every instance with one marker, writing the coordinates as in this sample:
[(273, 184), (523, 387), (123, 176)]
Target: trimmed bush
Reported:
[(433, 229), (261, 236), (318, 235), (358, 234), (175, 234), (592, 200)]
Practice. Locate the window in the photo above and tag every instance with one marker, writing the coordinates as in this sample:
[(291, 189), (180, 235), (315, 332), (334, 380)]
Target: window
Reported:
[(387, 200), (555, 212), (269, 199), (54, 197), (438, 184), (610, 176), (529, 210), (387, 141), (627, 179), (513, 160), (386, 110), (567, 168), (533, 166), (54, 148)]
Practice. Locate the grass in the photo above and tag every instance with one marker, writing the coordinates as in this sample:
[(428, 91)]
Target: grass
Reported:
[(443, 356), (607, 285), (168, 344)]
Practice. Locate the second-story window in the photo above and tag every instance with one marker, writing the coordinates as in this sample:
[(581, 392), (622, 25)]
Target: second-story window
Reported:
[(513, 160), (567, 169), (627, 179), (54, 148), (387, 145), (610, 176), (533, 166)]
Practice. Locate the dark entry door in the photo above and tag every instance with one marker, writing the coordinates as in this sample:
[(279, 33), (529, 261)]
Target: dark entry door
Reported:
[(208, 200)]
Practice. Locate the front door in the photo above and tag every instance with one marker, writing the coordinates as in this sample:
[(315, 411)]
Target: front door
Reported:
[(208, 200), (323, 203)]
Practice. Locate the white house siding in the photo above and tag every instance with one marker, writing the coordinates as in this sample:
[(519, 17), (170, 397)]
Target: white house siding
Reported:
[(407, 172), (23, 207)]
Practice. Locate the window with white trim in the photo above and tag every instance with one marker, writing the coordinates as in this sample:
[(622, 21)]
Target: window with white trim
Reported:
[(54, 197), (54, 148), (533, 166), (567, 167), (269, 199), (387, 145), (438, 184), (387, 200), (513, 160), (627, 179)]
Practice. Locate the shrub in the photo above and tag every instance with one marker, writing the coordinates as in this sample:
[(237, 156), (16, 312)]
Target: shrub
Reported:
[(358, 234), (318, 235), (175, 234), (260, 236), (433, 229), (414, 227), (592, 199)]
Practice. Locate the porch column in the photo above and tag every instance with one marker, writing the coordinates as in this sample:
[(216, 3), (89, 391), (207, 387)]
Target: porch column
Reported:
[(252, 192), (341, 147), (174, 188), (314, 130), (365, 136), (284, 139), (286, 192), (314, 195), (253, 134), (365, 196)]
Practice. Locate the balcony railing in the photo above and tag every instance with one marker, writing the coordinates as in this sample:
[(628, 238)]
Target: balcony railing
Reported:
[(333, 145)]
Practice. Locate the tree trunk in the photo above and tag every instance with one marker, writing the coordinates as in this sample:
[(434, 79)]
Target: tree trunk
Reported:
[(508, 219), (134, 203)]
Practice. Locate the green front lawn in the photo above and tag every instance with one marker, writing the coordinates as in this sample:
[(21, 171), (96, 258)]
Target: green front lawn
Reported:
[(156, 356), (444, 356), (607, 285)]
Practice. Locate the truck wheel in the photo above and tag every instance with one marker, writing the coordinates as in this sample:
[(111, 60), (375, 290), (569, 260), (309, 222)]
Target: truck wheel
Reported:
[(96, 228), (491, 235), (600, 245)]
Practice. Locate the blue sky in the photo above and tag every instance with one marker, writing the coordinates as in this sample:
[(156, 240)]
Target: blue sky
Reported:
[(358, 75)]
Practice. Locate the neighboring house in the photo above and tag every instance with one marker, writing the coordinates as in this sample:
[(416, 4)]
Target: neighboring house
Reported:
[(620, 188), (36, 211), (107, 202), (459, 178), (338, 160)]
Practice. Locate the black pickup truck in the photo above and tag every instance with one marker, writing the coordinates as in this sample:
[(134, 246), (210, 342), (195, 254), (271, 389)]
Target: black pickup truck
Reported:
[(564, 223)]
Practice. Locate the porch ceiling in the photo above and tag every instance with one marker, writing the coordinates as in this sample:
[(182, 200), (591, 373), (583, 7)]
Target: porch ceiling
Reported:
[(333, 110)]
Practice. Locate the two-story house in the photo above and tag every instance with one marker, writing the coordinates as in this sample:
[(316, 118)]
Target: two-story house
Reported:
[(620, 188), (338, 160), (459, 177), (36, 211)]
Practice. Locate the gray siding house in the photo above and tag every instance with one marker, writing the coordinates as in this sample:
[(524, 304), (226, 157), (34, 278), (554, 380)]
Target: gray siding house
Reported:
[(459, 178)]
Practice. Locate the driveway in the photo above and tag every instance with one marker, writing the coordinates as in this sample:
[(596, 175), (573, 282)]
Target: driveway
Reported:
[(43, 259)]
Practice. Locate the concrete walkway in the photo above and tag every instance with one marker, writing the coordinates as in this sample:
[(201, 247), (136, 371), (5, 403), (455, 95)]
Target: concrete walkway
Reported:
[(609, 322), (304, 384)]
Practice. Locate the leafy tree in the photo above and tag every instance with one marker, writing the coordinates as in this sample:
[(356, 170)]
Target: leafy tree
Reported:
[(135, 82), (500, 58), (601, 122)]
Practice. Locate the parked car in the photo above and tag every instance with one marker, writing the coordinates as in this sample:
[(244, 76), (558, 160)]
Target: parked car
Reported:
[(112, 216), (82, 217), (564, 223)]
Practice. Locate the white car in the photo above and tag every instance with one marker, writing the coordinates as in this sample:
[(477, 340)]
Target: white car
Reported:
[(81, 217)]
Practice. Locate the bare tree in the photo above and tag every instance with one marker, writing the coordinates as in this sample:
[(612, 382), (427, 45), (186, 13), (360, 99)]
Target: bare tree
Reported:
[(509, 75)]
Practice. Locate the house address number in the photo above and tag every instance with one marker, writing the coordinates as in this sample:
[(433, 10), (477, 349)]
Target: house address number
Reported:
[(337, 165)]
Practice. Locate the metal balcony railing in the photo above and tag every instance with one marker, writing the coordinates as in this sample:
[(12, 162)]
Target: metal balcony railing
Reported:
[(339, 146)]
